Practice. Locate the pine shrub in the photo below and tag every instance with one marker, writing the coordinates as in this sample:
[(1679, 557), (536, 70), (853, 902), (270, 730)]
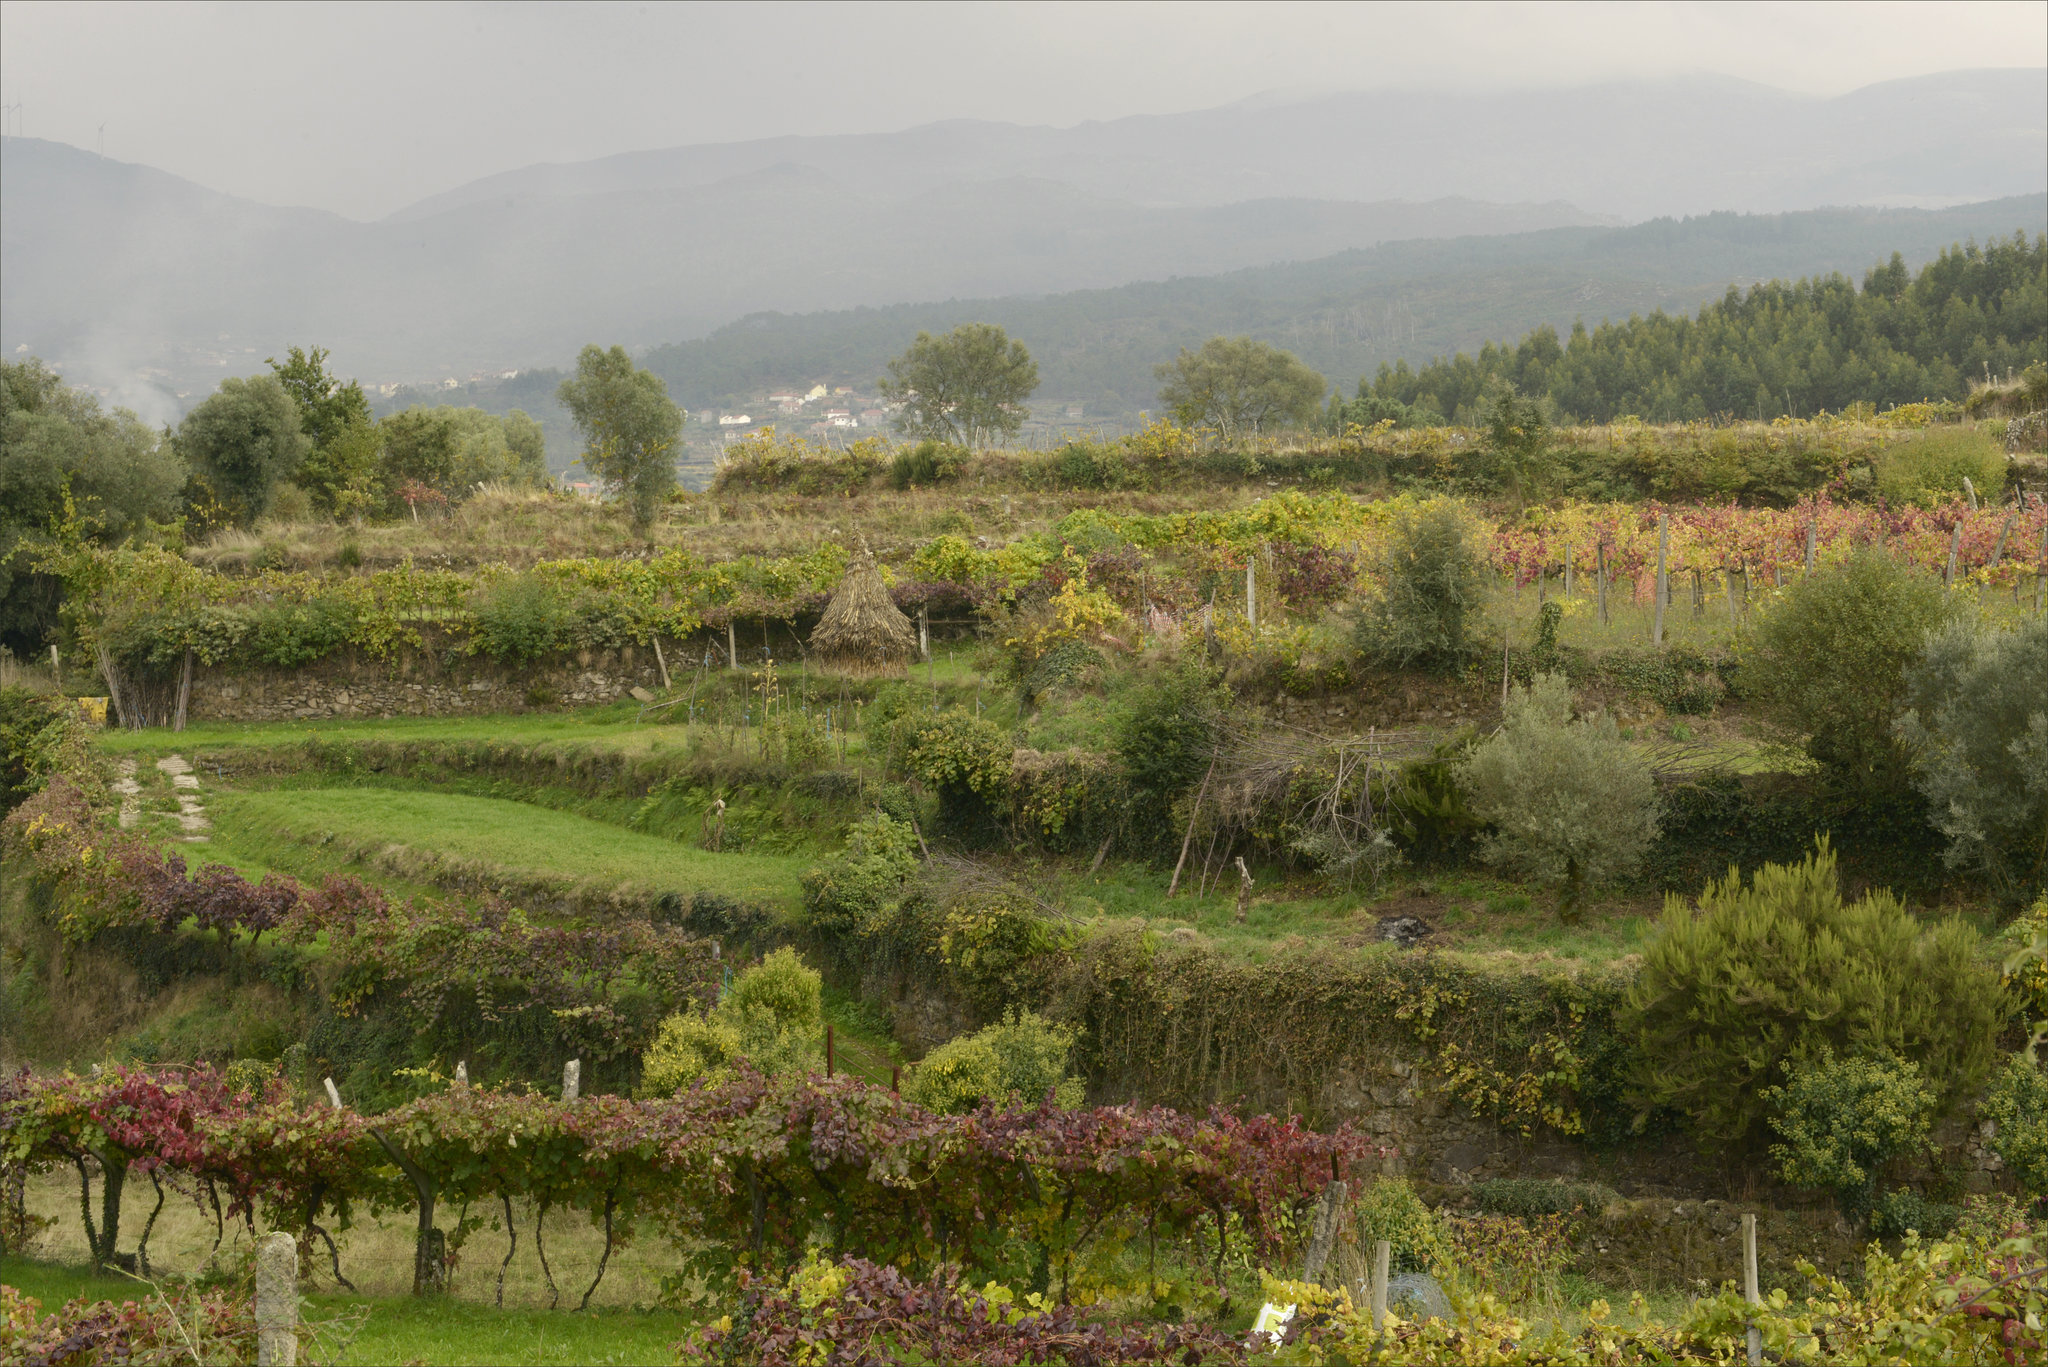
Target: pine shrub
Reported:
[(1778, 969)]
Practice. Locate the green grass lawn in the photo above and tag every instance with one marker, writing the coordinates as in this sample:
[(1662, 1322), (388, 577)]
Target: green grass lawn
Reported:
[(444, 1330), (520, 839)]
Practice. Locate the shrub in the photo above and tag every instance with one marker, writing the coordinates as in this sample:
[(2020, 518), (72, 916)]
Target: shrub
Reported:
[(1166, 733), (850, 893), (1429, 814), (32, 729), (1839, 1121), (1979, 724), (288, 635), (773, 1018), (2017, 1107), (965, 760), (1568, 801), (1929, 467), (1527, 1196), (1432, 591), (926, 464), (1905, 1211), (521, 618), (1782, 968), (1389, 1209), (2026, 970), (1829, 661), (1023, 1058)]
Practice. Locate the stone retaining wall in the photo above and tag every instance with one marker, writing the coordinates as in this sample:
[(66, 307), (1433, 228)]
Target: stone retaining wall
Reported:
[(418, 686)]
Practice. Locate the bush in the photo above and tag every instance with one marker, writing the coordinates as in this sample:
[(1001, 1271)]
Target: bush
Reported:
[(1569, 802), (521, 618), (1839, 1121), (2017, 1107), (1829, 662), (1021, 1059), (1905, 1211), (1781, 969), (1389, 1209), (1432, 591), (1429, 814), (850, 894), (926, 464), (1979, 724), (965, 760), (32, 728), (773, 1018), (1929, 468), (1166, 733), (1529, 1196), (287, 635)]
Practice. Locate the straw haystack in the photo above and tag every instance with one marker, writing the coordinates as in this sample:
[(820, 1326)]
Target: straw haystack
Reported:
[(862, 628)]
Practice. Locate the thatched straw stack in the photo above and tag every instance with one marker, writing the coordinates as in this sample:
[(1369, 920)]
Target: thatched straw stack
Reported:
[(863, 629)]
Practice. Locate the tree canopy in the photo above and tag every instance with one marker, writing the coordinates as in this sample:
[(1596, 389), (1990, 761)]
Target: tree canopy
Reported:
[(1780, 348), (1239, 386), (967, 387), (243, 440), (630, 427)]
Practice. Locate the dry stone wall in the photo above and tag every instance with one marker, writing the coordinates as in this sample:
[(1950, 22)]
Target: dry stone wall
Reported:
[(419, 686)]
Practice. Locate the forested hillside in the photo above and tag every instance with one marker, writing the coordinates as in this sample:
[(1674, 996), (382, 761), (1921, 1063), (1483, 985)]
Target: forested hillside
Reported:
[(1347, 314), (1778, 348)]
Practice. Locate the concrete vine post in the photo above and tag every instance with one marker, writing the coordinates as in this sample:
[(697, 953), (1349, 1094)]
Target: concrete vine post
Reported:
[(1750, 1290), (1382, 1256), (1244, 890), (1663, 589), (277, 1301)]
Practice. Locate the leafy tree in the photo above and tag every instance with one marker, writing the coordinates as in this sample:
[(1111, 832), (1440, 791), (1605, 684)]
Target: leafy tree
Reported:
[(1766, 974), (1431, 608), (1839, 1121), (629, 426), (1021, 1059), (453, 450), (1239, 386), (1569, 801), (243, 440), (1829, 661), (340, 467), (1979, 726), (120, 476), (966, 388), (1517, 442)]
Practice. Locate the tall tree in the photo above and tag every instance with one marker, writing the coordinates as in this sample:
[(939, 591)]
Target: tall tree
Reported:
[(1239, 386), (120, 474), (967, 387), (630, 427), (243, 440), (340, 466)]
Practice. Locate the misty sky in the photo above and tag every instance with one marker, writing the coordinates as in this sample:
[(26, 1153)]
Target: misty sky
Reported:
[(363, 108)]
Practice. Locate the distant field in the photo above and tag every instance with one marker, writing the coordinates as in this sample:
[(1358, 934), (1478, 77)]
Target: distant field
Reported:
[(512, 837)]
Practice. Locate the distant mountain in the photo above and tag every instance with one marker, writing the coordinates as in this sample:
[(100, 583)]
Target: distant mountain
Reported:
[(154, 288), (1347, 313), (1630, 150), (111, 270)]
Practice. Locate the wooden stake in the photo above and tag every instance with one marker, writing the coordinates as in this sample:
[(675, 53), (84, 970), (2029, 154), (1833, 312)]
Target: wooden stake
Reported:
[(1189, 838), (661, 660), (1812, 530), (732, 646), (184, 692), (828, 1050), (1382, 1255), (1955, 546), (1600, 579), (1567, 570), (1663, 589), (1251, 592)]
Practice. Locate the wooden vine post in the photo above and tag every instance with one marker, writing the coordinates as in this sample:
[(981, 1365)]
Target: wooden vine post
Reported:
[(1382, 1256), (1663, 589), (1955, 546)]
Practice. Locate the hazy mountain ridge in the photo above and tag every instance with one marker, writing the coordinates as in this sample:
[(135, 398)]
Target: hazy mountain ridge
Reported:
[(1347, 313), (109, 268), (1627, 150)]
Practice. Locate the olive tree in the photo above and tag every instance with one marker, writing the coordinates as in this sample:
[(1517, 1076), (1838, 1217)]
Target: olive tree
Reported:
[(1240, 386), (966, 388), (1978, 724), (243, 440), (1570, 802)]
